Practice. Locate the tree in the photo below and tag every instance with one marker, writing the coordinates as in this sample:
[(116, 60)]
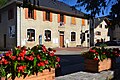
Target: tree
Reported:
[(3, 2)]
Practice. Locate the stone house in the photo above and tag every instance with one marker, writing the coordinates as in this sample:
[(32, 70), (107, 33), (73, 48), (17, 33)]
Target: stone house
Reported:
[(48, 22)]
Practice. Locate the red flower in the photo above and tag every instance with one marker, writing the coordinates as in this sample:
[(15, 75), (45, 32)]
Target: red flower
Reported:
[(51, 54), (46, 61), (4, 61), (18, 58), (57, 59), (58, 65), (54, 50), (91, 50), (30, 58), (18, 47), (44, 48), (9, 53), (13, 57), (96, 59), (38, 56), (21, 68), (104, 53), (41, 64)]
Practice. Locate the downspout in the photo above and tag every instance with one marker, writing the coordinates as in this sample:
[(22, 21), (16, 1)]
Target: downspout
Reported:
[(20, 27)]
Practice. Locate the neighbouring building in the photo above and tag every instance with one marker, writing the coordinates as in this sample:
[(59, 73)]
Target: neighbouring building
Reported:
[(48, 22), (101, 31)]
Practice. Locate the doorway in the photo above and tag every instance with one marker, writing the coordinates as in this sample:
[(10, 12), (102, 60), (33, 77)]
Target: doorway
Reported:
[(61, 39)]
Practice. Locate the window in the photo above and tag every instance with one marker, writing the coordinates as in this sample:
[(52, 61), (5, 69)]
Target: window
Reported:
[(10, 13), (47, 35), (30, 13), (0, 18), (30, 34), (47, 15), (98, 33), (61, 18), (100, 26), (73, 20), (83, 22), (106, 26), (73, 36)]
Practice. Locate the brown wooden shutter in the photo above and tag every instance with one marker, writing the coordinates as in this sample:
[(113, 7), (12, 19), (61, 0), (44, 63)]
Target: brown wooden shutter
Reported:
[(26, 13), (50, 17), (64, 19), (44, 15), (58, 18), (35, 14), (73, 20), (83, 22)]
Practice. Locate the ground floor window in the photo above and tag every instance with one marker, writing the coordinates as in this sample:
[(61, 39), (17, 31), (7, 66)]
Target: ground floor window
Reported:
[(47, 35), (73, 36), (30, 34)]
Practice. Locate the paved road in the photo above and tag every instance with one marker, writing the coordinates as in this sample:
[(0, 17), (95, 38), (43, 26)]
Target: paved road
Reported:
[(72, 66)]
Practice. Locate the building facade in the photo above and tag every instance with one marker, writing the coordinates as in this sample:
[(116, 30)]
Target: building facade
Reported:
[(101, 32), (51, 23)]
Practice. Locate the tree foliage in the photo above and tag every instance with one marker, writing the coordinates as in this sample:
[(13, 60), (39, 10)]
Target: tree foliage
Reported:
[(3, 2)]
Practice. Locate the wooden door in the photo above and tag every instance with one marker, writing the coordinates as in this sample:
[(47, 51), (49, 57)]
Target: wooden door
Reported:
[(61, 40)]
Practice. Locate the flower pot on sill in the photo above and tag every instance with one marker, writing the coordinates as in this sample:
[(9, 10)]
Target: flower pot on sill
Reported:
[(45, 75), (97, 66)]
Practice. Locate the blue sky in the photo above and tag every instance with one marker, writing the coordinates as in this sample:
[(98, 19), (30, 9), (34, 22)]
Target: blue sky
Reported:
[(73, 2)]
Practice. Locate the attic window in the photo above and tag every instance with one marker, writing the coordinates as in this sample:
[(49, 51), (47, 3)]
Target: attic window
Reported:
[(30, 13), (61, 18), (98, 33), (100, 26)]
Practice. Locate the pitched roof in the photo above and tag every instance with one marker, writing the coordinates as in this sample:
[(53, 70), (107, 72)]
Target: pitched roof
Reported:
[(99, 20), (56, 6)]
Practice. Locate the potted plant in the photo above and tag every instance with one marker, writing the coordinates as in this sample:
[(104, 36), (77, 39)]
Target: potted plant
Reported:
[(29, 64), (99, 59)]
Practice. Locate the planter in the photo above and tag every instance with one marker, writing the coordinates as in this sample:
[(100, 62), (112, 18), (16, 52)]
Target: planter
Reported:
[(45, 75), (97, 66)]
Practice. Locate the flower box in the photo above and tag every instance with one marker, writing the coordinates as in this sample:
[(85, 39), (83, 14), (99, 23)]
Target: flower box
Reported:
[(45, 75), (97, 66), (24, 62)]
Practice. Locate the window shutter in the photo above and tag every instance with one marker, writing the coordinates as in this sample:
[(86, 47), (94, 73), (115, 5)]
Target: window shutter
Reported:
[(44, 15), (64, 19), (83, 22), (26, 13), (58, 18), (73, 21), (35, 14), (50, 17)]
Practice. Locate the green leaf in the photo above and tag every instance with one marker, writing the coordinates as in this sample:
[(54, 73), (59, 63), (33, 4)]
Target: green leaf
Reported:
[(19, 74), (15, 65), (35, 61)]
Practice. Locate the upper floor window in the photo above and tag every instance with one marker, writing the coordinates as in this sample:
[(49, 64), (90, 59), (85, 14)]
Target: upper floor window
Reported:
[(10, 13), (0, 18), (47, 16), (98, 33), (30, 34), (73, 36), (106, 26), (61, 18), (47, 35), (73, 20), (100, 26), (83, 22), (30, 13)]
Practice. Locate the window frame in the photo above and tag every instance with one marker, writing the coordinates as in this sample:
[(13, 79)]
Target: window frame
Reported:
[(73, 36), (61, 17), (47, 35), (31, 13), (47, 15), (29, 38), (11, 13), (98, 33)]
